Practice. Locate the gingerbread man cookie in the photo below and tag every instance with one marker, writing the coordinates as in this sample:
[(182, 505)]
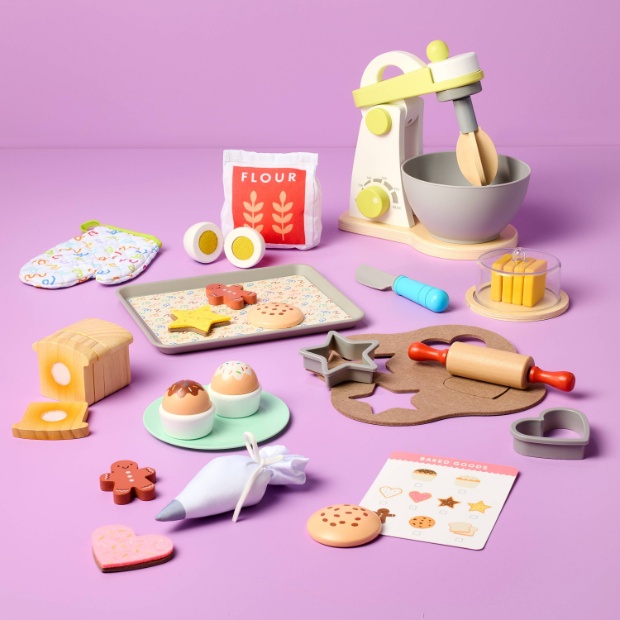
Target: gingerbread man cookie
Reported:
[(233, 295), (384, 513), (126, 480)]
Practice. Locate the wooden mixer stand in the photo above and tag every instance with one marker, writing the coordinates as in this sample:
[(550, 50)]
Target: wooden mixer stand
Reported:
[(421, 240)]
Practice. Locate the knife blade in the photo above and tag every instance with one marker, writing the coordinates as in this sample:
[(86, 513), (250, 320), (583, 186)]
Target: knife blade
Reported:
[(425, 295)]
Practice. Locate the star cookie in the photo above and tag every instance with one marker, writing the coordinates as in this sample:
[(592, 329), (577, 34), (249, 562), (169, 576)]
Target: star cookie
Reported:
[(449, 501), (200, 320), (478, 507)]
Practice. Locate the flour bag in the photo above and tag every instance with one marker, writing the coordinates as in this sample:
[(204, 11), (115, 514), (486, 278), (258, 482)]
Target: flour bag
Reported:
[(277, 194)]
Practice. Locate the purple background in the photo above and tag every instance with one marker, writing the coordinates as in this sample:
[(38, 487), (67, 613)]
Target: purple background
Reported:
[(554, 547), (279, 74)]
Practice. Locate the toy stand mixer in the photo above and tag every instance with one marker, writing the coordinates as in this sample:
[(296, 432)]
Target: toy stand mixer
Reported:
[(451, 205)]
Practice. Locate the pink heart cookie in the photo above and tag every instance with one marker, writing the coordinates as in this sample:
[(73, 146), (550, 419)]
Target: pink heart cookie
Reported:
[(117, 548), (417, 497)]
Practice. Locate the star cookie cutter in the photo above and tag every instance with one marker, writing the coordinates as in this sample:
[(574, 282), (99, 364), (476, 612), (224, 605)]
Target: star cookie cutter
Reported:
[(530, 440), (358, 355)]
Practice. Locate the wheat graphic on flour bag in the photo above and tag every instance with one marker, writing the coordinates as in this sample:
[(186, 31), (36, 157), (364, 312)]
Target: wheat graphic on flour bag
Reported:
[(277, 194)]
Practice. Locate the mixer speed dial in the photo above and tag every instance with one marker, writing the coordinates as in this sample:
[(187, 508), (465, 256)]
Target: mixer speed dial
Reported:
[(373, 202)]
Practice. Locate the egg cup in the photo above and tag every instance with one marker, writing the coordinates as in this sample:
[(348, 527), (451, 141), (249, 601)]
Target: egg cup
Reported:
[(235, 405), (192, 426)]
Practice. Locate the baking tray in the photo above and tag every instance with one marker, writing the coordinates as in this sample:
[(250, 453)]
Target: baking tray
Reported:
[(350, 315)]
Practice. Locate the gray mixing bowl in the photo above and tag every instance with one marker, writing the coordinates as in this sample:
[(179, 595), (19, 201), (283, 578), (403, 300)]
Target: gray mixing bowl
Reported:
[(455, 211)]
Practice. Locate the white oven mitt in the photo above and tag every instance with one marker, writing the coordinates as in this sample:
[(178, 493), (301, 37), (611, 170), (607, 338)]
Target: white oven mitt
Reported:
[(231, 482), (110, 255)]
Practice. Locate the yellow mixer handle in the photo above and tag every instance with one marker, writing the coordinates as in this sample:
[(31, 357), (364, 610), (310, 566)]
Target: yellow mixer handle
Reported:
[(408, 85), (413, 83)]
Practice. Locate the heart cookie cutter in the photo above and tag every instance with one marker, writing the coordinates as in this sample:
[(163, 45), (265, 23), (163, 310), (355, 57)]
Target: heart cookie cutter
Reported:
[(530, 440)]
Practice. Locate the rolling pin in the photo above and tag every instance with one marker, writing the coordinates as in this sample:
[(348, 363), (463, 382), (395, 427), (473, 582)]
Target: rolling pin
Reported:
[(491, 365)]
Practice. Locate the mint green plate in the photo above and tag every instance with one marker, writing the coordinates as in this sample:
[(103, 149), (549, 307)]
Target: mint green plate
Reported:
[(272, 416)]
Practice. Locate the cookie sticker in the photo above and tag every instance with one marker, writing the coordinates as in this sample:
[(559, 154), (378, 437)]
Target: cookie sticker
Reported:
[(422, 523), (417, 497), (389, 492), (448, 501), (384, 513), (462, 529), (424, 474), (478, 507)]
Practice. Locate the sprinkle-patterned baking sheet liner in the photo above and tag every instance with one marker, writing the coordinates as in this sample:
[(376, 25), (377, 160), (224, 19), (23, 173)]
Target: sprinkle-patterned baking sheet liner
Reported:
[(296, 290), (323, 305)]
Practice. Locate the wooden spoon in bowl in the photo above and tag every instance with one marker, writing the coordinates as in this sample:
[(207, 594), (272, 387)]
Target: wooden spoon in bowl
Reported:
[(477, 157)]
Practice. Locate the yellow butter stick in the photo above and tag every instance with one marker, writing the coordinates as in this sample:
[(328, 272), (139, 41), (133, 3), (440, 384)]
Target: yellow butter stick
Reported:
[(534, 285), (517, 284), (496, 278)]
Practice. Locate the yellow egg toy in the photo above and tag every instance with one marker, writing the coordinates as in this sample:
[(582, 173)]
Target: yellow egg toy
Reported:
[(244, 247)]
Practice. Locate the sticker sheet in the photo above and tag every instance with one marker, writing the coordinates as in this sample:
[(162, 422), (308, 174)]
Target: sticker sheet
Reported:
[(440, 500), (297, 290)]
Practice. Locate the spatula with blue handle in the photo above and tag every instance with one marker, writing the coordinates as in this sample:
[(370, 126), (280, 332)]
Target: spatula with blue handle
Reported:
[(428, 296)]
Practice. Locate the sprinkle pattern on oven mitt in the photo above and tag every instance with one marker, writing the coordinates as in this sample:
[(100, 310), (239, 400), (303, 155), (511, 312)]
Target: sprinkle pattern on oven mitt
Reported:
[(109, 254), (121, 255)]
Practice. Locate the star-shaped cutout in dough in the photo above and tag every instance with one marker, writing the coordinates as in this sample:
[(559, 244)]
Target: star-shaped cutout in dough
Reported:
[(198, 320), (357, 356), (449, 501), (478, 507)]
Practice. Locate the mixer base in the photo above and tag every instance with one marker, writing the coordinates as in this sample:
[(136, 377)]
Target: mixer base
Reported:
[(421, 240)]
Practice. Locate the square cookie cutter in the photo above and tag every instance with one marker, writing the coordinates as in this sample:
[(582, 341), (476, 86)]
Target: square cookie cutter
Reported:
[(530, 440)]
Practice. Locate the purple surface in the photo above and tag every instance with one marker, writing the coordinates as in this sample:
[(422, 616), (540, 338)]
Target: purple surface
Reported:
[(553, 549), (156, 73)]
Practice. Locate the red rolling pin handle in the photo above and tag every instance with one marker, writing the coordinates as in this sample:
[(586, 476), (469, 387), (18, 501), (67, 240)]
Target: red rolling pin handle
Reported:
[(421, 352), (560, 380)]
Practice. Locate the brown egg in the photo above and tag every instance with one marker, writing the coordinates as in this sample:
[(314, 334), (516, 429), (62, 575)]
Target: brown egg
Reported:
[(234, 378), (186, 397)]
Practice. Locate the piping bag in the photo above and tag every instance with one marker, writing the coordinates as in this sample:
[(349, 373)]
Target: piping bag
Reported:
[(232, 482)]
